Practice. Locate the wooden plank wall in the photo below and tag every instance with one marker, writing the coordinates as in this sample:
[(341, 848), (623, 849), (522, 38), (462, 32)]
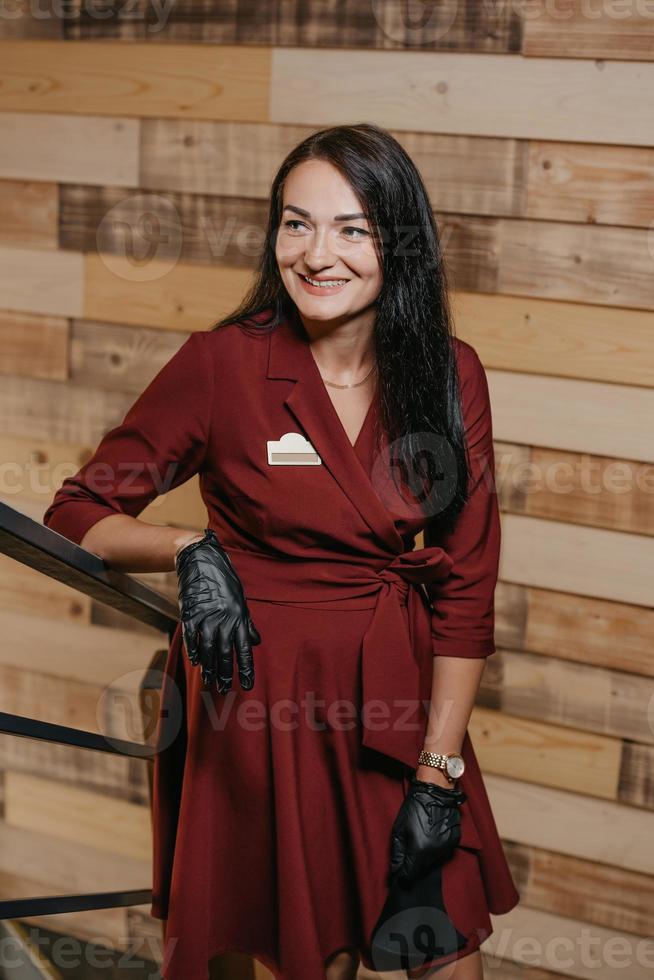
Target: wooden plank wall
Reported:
[(534, 130)]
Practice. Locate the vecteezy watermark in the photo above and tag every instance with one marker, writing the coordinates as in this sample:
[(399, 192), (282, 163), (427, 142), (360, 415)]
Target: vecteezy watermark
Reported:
[(129, 479), (137, 715), (96, 953), (142, 234), (564, 10), (590, 949), (414, 23), (415, 476), (144, 719), (154, 14), (428, 475)]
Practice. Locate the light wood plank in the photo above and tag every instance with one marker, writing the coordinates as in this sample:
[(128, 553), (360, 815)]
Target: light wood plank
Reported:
[(69, 866), (41, 280), (592, 263), (547, 754), (75, 815), (480, 94), (69, 148), (119, 656), (571, 823), (550, 941), (28, 214), (609, 420), (187, 297), (33, 346), (103, 772), (586, 561), (109, 924), (50, 411), (24, 590), (553, 337), (178, 80), (599, 184), (35, 469)]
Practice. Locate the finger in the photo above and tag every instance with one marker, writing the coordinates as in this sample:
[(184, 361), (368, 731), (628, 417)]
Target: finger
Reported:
[(207, 658), (254, 633), (225, 665), (189, 634), (244, 656)]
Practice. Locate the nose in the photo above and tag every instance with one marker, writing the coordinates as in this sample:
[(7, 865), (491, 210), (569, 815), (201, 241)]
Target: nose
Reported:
[(319, 250)]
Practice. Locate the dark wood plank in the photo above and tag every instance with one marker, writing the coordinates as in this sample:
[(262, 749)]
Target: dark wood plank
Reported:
[(448, 26)]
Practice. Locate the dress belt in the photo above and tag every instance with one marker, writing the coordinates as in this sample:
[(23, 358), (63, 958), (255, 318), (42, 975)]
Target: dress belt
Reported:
[(396, 659)]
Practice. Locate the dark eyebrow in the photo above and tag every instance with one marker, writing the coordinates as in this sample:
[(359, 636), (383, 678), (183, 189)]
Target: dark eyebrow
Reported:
[(338, 217)]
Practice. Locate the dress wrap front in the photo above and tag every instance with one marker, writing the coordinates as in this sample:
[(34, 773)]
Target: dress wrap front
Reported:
[(273, 807)]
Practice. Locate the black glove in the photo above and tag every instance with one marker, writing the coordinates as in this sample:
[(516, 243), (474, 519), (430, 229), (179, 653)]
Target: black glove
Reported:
[(427, 829), (214, 614)]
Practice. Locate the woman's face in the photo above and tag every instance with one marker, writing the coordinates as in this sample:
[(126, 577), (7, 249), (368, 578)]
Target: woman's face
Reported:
[(323, 235)]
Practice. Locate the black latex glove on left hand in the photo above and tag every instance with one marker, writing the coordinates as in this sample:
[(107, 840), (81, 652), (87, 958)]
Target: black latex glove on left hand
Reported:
[(427, 829)]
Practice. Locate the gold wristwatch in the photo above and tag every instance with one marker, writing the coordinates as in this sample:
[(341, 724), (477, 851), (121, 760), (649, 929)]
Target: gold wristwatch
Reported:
[(452, 765)]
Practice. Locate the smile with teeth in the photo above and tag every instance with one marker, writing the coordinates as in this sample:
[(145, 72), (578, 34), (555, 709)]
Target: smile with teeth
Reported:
[(327, 283)]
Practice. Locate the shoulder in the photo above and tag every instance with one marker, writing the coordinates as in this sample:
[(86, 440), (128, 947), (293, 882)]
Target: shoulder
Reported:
[(469, 366), (233, 344)]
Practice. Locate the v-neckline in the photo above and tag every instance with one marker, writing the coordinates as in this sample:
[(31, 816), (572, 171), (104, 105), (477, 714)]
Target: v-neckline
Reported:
[(319, 379)]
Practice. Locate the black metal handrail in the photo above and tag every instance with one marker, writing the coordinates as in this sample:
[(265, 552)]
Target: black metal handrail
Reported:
[(50, 553)]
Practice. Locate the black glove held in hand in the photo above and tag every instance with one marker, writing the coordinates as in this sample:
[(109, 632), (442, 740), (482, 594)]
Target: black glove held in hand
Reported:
[(214, 614), (427, 829)]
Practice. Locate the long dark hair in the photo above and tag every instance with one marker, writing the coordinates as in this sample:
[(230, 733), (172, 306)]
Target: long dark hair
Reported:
[(413, 333)]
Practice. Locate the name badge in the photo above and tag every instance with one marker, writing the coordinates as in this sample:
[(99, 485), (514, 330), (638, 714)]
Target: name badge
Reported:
[(293, 449)]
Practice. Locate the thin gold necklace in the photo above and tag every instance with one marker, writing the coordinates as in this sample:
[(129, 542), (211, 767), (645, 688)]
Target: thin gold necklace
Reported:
[(332, 384)]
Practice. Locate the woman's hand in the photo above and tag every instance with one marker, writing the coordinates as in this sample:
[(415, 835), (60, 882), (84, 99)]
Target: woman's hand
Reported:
[(214, 614), (427, 829)]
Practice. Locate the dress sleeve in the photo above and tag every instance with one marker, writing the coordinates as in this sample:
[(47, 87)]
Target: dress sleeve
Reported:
[(463, 612), (161, 443)]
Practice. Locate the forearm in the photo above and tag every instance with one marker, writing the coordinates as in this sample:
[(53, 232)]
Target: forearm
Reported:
[(455, 682), (128, 544)]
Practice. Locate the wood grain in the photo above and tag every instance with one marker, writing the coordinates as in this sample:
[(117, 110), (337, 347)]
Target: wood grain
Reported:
[(311, 23), (182, 80), (572, 31), (44, 281), (577, 488), (599, 632), (33, 346), (557, 338), (586, 561), (609, 419), (488, 95), (571, 823), (76, 149)]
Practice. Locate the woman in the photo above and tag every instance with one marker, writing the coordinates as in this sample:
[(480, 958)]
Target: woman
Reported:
[(331, 418)]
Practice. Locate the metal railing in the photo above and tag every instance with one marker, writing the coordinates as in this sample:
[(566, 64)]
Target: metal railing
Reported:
[(48, 552)]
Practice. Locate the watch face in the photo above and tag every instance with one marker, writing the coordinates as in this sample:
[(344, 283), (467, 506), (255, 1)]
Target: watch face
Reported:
[(455, 766)]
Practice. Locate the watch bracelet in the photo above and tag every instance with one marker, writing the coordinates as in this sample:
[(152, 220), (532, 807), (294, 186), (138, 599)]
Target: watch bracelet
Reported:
[(435, 759)]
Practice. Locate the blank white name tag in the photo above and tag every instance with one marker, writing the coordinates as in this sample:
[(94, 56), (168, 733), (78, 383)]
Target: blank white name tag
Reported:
[(293, 449)]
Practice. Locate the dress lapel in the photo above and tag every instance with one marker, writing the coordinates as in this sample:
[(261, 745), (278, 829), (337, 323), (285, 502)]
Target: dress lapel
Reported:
[(290, 357)]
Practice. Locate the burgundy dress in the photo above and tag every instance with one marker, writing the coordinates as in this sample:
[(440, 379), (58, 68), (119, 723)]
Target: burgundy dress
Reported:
[(273, 807)]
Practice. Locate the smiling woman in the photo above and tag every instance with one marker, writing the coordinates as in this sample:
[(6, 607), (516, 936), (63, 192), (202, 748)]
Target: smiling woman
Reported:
[(332, 418)]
